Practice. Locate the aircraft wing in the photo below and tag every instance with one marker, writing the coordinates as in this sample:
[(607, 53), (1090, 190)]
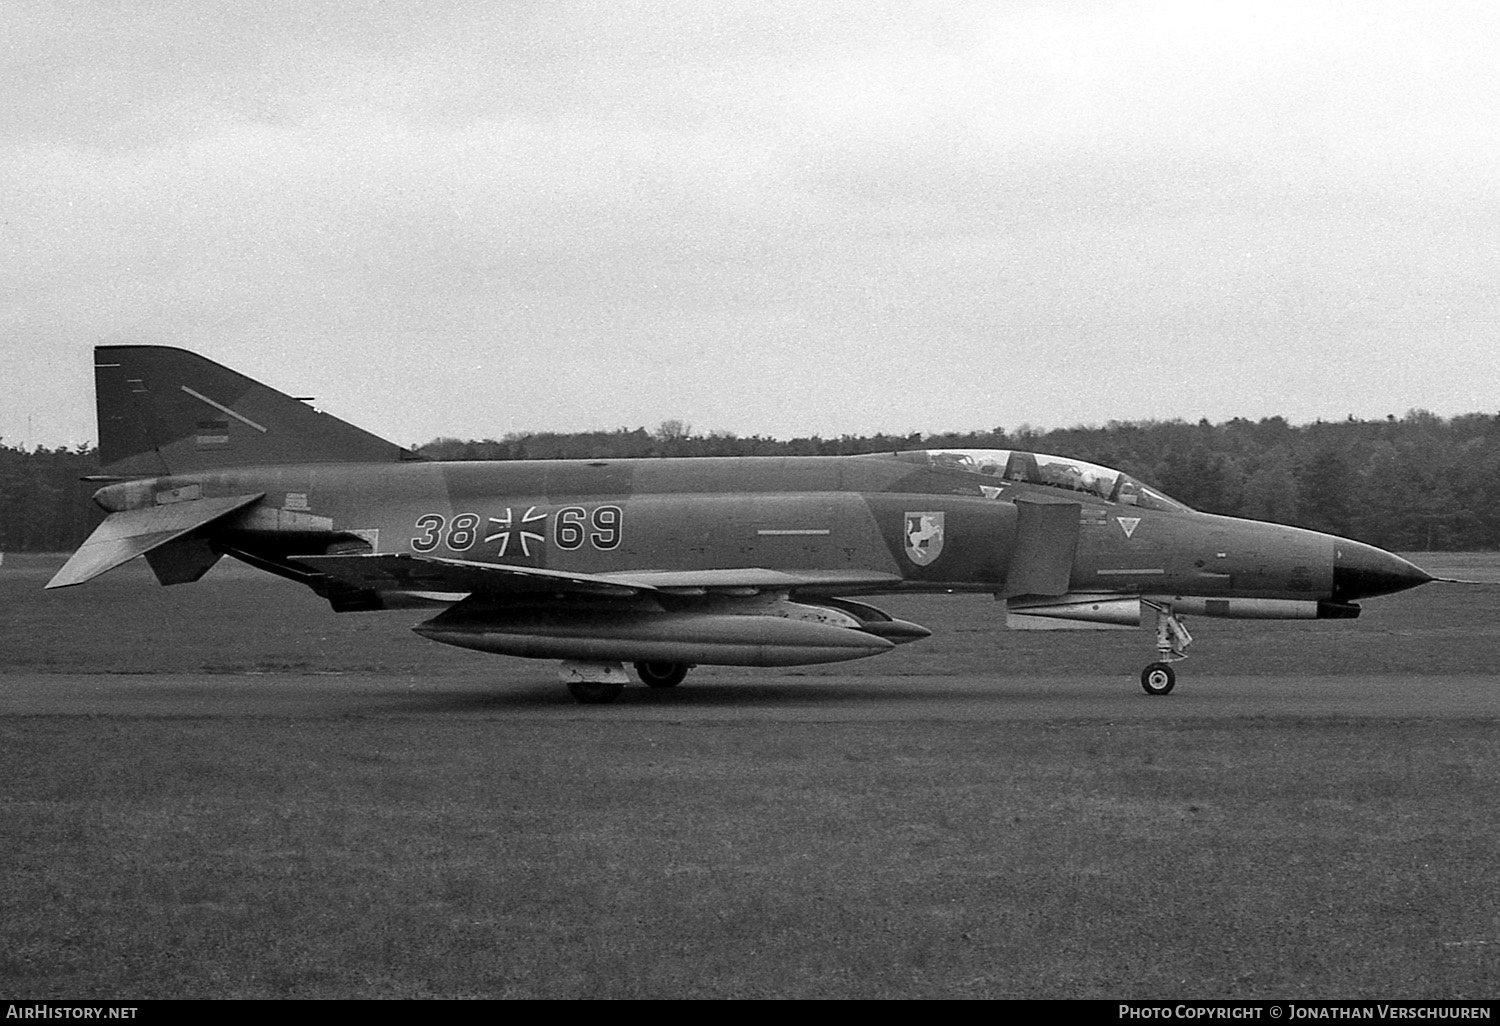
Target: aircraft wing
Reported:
[(398, 571), (700, 582)]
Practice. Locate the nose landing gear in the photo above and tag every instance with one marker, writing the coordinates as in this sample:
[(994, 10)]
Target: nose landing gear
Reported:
[(1158, 679), (1172, 640)]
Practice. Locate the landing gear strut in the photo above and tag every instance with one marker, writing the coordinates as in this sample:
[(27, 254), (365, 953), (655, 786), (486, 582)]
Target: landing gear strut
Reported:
[(1172, 640)]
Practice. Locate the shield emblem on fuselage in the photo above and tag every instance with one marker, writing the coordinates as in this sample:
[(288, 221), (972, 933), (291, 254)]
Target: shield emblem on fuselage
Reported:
[(924, 537)]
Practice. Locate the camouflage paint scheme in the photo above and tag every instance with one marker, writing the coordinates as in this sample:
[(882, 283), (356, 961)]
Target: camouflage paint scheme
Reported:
[(670, 562)]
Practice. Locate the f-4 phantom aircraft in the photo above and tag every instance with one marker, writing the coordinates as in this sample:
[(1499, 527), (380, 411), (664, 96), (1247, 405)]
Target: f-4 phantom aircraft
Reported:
[(672, 563)]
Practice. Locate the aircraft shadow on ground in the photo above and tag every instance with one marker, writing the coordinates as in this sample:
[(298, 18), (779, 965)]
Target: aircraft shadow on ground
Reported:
[(777, 694)]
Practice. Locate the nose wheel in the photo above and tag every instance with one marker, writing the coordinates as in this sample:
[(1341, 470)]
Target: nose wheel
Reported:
[(1158, 679)]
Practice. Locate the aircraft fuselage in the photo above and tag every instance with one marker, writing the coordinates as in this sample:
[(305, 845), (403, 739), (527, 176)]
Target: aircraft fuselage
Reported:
[(927, 528)]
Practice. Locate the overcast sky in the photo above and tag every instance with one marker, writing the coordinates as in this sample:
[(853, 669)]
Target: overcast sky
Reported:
[(468, 219)]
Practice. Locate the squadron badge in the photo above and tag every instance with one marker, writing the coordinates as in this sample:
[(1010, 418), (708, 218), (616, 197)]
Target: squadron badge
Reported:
[(924, 537)]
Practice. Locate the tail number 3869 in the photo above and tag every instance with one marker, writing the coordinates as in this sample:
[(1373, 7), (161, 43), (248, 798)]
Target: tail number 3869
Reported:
[(572, 526)]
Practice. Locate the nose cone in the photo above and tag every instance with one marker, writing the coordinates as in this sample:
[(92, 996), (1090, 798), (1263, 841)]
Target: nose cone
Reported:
[(1360, 571)]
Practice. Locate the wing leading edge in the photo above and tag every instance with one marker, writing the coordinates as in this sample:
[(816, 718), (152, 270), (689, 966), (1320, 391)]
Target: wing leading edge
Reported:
[(401, 572)]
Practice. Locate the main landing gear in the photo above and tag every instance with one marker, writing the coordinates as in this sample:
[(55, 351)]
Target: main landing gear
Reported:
[(598, 683), (593, 683), (1172, 640), (661, 675)]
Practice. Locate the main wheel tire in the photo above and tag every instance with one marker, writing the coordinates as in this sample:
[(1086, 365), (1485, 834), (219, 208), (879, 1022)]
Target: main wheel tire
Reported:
[(1158, 679), (661, 675), (594, 692)]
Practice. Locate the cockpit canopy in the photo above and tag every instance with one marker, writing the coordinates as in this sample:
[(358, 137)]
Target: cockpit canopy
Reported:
[(1013, 467)]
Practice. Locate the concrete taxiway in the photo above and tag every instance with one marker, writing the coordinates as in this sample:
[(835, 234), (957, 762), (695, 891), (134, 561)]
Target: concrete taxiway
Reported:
[(728, 694)]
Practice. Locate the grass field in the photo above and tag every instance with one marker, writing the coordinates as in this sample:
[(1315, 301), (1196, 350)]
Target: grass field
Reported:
[(460, 851)]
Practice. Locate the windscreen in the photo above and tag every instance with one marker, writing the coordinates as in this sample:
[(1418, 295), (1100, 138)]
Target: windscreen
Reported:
[(1033, 468)]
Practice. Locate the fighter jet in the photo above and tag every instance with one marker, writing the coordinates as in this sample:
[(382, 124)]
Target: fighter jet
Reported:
[(672, 563)]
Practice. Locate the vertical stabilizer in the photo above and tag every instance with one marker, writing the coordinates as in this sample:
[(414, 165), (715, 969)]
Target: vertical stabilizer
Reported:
[(168, 411)]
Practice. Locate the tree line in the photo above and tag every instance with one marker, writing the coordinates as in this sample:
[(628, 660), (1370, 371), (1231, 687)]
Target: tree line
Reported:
[(1418, 482)]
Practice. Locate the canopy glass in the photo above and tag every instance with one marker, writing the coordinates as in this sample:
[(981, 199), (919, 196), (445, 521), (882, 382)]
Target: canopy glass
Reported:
[(1012, 466)]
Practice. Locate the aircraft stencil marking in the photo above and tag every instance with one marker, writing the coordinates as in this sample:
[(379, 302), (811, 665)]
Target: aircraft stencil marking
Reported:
[(568, 529), (1128, 524), (606, 532), (571, 523), (431, 526), (463, 531), (507, 522), (924, 537)]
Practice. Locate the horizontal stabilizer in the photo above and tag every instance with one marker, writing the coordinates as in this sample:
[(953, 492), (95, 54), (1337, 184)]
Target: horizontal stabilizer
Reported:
[(134, 532)]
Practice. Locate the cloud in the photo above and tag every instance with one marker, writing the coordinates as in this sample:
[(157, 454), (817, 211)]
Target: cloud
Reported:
[(858, 213)]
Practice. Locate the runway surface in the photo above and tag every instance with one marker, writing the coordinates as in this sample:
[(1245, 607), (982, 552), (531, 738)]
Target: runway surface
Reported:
[(736, 695)]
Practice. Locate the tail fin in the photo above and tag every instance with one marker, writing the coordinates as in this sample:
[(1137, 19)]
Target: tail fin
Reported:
[(168, 411)]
